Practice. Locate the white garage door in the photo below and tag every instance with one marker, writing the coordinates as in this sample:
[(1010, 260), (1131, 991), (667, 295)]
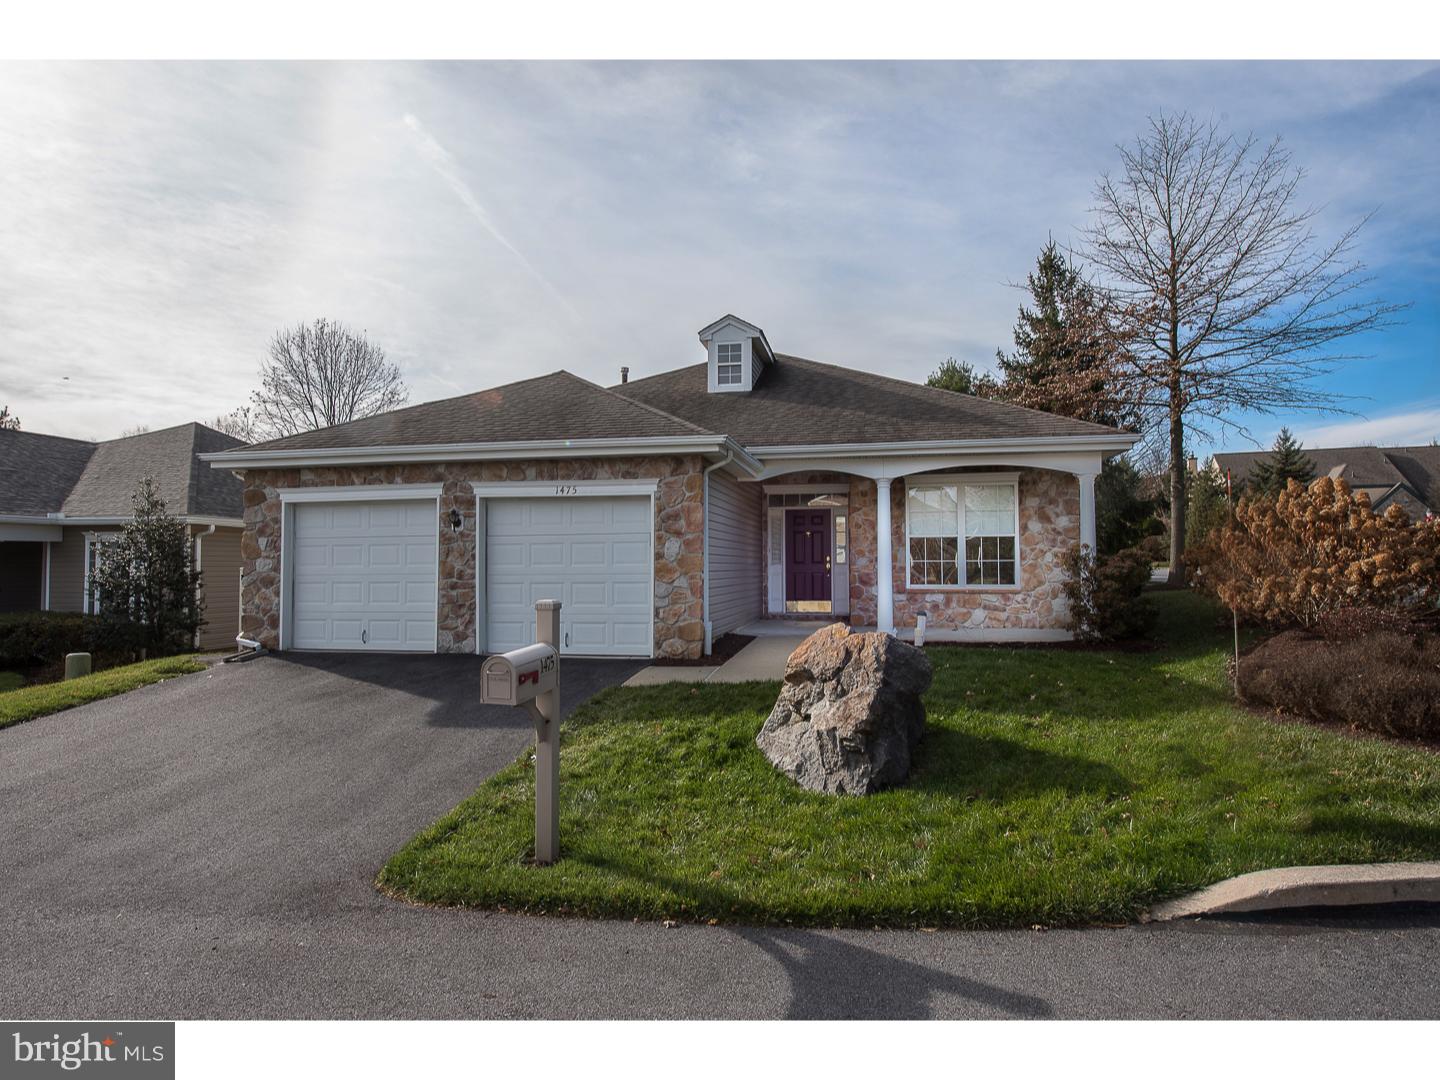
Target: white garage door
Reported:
[(592, 553), (364, 575)]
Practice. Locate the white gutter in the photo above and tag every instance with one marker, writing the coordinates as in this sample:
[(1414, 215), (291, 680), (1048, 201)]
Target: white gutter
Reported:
[(1118, 441), (243, 458), (705, 548)]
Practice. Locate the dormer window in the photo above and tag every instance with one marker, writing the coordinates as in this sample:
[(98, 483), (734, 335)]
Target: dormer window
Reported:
[(739, 354), (729, 363)]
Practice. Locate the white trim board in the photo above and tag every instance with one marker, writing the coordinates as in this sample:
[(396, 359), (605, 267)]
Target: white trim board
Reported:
[(361, 493), (562, 489)]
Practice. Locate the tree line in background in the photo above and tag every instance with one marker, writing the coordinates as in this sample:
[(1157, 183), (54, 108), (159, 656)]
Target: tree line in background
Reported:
[(1200, 291)]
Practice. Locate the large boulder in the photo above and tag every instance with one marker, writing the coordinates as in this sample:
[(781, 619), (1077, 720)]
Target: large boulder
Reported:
[(849, 716)]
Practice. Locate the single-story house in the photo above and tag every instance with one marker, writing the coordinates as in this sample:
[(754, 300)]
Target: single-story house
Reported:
[(60, 498), (667, 511), (1403, 476)]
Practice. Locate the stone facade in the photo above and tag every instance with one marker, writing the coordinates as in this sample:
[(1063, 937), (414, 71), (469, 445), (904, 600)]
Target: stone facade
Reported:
[(679, 538), (1049, 527)]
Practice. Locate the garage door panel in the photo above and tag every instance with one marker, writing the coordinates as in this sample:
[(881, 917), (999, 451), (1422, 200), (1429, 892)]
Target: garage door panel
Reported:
[(589, 592), (365, 575), (590, 552)]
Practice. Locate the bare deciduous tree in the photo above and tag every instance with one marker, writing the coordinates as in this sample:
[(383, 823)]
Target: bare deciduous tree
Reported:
[(1226, 300), (322, 374), (238, 424), (8, 422)]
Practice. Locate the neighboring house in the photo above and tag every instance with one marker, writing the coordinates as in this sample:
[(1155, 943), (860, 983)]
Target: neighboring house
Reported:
[(667, 511), (60, 498), (1403, 476)]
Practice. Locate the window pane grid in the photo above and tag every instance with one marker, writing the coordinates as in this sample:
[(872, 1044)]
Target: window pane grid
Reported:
[(979, 518)]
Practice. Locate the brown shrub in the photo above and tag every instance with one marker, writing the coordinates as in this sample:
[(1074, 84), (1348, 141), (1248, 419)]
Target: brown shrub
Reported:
[(1383, 682), (1311, 552)]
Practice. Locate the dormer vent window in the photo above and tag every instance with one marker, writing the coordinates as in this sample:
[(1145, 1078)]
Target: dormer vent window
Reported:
[(738, 355), (729, 363)]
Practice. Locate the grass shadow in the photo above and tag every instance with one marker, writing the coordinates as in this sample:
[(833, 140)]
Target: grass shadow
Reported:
[(963, 765)]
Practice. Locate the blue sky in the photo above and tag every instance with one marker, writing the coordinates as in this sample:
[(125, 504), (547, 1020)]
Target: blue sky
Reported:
[(490, 221)]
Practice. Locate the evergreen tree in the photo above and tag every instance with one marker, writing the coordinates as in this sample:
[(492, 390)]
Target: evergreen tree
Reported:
[(962, 378), (145, 579), (1062, 345), (1287, 462), (1208, 506), (1124, 516)]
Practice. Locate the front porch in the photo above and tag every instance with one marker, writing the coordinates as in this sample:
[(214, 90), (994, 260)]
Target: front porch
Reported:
[(974, 544)]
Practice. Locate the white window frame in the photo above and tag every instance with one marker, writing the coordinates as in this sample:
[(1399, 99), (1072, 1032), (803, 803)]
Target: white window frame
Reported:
[(959, 481), (721, 364)]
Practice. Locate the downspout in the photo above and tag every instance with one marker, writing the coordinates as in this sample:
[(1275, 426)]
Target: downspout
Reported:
[(705, 555), (199, 565)]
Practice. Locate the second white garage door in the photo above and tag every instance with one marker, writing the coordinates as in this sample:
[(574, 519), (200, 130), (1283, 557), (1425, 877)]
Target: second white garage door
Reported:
[(365, 575), (593, 553)]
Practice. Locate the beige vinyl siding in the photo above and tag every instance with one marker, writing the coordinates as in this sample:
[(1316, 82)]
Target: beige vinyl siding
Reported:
[(737, 552), (67, 570), (220, 587)]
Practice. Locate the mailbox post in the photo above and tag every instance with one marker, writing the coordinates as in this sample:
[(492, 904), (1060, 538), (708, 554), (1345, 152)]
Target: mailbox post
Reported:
[(530, 676)]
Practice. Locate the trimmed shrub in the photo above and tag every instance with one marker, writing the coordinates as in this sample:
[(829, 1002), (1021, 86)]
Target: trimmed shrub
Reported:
[(1384, 682), (35, 639), (1106, 595), (1311, 552)]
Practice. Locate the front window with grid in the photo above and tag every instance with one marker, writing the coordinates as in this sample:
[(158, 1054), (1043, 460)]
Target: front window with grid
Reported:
[(962, 534), (727, 364)]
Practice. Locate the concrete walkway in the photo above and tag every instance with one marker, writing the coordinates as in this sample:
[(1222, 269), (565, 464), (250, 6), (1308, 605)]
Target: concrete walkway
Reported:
[(764, 658)]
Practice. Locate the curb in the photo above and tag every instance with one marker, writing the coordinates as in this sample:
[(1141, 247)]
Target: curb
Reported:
[(1306, 887)]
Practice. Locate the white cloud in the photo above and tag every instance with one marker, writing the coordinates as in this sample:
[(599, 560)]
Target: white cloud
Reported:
[(1414, 427), (161, 221)]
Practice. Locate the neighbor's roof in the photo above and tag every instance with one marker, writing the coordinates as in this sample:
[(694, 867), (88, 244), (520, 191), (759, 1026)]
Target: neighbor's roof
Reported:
[(1375, 469), (45, 474), (38, 471), (552, 407), (801, 402)]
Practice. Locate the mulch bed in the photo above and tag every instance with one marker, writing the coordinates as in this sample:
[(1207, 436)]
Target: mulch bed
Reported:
[(721, 649)]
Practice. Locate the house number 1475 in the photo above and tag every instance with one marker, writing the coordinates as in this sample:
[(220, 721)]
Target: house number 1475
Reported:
[(566, 489)]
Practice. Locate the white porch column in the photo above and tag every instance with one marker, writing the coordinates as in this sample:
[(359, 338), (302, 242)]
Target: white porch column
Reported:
[(884, 560), (1087, 510)]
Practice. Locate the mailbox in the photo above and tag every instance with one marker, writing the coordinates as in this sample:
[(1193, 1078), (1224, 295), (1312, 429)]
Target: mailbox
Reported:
[(518, 676)]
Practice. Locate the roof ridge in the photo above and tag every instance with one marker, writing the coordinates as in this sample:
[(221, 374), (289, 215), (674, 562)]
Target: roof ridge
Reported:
[(930, 391), (657, 375), (643, 405)]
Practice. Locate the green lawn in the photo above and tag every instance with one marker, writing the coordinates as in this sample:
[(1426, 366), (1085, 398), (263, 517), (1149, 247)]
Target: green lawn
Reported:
[(11, 680), (28, 702), (1053, 787)]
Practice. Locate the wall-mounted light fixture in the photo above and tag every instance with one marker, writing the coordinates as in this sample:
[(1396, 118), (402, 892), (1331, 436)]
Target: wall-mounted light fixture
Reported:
[(456, 520)]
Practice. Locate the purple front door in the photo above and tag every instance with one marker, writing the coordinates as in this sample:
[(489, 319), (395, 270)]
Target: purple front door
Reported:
[(807, 555)]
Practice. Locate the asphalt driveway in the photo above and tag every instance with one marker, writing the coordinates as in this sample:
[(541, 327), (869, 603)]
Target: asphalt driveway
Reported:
[(205, 847)]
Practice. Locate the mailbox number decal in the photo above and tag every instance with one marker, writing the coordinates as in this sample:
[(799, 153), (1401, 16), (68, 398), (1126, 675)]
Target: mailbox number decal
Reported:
[(547, 664), (566, 489)]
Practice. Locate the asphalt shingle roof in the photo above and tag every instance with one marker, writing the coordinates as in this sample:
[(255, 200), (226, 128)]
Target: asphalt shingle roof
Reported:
[(803, 402), (549, 407), (796, 402), (1367, 467), (45, 474), (38, 471)]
